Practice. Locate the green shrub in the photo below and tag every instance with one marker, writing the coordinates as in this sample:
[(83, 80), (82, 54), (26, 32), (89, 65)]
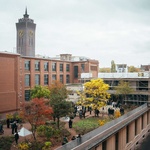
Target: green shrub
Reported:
[(36, 145), (47, 131), (47, 146), (6, 142)]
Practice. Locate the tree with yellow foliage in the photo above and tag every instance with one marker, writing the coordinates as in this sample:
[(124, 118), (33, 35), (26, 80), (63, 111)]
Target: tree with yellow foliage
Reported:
[(123, 89), (94, 94)]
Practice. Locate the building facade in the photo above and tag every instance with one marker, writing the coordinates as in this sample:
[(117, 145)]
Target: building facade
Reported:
[(20, 74), (9, 82)]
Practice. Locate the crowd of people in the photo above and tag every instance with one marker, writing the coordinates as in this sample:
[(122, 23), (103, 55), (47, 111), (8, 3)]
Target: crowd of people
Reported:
[(65, 139), (112, 106)]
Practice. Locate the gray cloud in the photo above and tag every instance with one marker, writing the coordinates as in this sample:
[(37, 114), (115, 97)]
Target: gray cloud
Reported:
[(100, 29)]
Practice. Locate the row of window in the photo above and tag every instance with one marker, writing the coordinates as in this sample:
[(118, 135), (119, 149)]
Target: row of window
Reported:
[(46, 79), (46, 66), (140, 85), (54, 66)]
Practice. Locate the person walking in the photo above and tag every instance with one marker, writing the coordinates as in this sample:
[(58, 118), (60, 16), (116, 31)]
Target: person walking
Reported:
[(16, 137), (14, 127), (1, 128), (90, 109), (70, 123), (80, 114), (65, 140), (8, 123)]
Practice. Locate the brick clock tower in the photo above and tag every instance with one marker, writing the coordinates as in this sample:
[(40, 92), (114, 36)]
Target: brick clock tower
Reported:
[(26, 36)]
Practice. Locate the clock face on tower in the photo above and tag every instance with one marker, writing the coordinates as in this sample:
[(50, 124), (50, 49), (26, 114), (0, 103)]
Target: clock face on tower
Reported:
[(21, 32), (31, 33)]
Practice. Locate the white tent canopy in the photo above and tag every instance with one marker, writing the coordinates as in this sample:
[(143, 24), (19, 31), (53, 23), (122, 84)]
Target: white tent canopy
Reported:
[(24, 132)]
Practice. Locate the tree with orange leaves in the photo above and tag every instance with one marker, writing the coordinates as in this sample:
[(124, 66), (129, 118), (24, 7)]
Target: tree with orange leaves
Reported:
[(36, 112)]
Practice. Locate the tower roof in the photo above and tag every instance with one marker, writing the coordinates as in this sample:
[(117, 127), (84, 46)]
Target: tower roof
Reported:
[(26, 14)]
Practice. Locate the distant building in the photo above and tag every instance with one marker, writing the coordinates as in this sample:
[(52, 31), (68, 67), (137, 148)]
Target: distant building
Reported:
[(145, 67), (120, 68), (139, 82)]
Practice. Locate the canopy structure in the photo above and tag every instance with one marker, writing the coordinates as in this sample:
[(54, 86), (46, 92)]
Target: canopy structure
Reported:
[(24, 132), (66, 119)]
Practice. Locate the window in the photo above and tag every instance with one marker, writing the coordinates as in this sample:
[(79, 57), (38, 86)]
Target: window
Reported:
[(37, 66), (115, 83), (20, 42), (61, 67), (67, 67), (54, 77), (142, 85), (27, 95), (27, 80), (61, 78), (53, 66), (75, 71), (45, 66), (142, 123), (45, 79), (82, 67), (67, 78), (136, 127), (116, 141), (94, 68), (127, 133), (104, 145), (27, 65), (37, 79)]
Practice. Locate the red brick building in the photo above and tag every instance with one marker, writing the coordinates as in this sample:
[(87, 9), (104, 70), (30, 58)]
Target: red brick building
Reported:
[(18, 74), (9, 82)]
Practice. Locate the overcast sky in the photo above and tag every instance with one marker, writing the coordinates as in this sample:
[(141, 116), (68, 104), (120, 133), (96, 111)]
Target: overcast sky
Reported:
[(104, 30)]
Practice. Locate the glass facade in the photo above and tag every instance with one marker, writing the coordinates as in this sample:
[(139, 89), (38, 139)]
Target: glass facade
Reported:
[(75, 71), (67, 78), (53, 66), (37, 79), (82, 67), (61, 78), (61, 67), (67, 67), (54, 77), (37, 66), (27, 80), (45, 79), (45, 66), (27, 95), (27, 65)]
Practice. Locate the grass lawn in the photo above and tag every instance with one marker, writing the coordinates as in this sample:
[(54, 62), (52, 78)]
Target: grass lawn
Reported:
[(86, 125)]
